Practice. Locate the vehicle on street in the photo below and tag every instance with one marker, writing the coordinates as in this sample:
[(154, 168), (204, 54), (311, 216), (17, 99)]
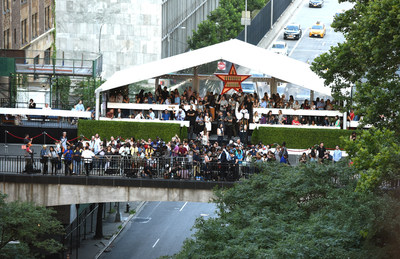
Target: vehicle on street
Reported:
[(280, 47), (317, 30), (316, 3), (292, 31)]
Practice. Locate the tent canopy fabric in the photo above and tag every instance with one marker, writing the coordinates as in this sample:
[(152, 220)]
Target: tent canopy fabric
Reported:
[(235, 51)]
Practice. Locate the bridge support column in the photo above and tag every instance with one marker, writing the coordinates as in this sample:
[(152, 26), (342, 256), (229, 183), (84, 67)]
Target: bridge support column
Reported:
[(118, 214)]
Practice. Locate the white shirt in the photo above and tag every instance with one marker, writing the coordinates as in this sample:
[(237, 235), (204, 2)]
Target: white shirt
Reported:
[(87, 155), (139, 117)]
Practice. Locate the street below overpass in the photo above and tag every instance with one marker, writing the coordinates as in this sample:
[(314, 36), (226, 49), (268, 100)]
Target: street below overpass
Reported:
[(158, 229)]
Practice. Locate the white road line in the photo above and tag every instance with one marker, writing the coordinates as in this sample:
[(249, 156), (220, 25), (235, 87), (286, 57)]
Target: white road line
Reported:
[(156, 243), (297, 43), (183, 206)]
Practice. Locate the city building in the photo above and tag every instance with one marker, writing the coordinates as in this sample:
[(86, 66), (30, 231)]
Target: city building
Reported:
[(128, 32)]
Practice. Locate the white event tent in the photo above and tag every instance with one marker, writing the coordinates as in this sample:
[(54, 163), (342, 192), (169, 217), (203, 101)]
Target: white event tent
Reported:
[(235, 51)]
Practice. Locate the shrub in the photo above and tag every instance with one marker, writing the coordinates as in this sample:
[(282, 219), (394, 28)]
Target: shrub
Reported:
[(127, 129), (299, 138)]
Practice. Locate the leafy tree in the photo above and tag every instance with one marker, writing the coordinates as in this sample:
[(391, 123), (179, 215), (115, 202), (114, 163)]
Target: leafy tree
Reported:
[(223, 23), (85, 90), (376, 157), (367, 61), (64, 85), (310, 211), (29, 225)]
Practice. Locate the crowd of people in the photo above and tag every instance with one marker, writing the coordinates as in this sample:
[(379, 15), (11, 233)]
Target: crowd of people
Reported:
[(234, 112), (178, 159)]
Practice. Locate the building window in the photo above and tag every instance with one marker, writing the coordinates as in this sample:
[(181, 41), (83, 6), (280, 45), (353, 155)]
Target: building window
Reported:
[(15, 36), (47, 56), (24, 33), (47, 17), (34, 25), (6, 39), (36, 60)]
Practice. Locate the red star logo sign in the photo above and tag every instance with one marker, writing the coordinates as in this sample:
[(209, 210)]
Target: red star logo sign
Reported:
[(232, 80)]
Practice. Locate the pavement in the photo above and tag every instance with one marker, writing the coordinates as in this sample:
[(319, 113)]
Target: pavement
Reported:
[(94, 248)]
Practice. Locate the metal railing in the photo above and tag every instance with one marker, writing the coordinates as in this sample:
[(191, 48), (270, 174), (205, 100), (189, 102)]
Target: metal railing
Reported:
[(130, 166)]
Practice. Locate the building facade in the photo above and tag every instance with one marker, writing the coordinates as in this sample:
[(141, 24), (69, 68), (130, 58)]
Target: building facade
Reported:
[(128, 32), (27, 25)]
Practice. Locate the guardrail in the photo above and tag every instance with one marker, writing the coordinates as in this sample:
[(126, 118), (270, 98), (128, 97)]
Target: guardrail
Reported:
[(178, 168), (46, 112)]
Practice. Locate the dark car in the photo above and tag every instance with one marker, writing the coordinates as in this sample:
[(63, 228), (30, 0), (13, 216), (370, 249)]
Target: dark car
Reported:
[(316, 3), (292, 31)]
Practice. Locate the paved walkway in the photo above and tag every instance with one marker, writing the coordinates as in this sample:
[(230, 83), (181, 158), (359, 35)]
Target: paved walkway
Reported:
[(93, 248)]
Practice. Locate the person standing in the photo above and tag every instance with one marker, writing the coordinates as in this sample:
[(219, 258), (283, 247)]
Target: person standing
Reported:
[(44, 158), (28, 158), (64, 142), (321, 152), (54, 160), (220, 133), (87, 156), (76, 160), (68, 160), (337, 154)]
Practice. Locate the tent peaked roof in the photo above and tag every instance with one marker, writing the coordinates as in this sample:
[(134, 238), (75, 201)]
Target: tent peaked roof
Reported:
[(235, 51)]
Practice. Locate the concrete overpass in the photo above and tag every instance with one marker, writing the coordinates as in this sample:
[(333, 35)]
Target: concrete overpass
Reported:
[(64, 190)]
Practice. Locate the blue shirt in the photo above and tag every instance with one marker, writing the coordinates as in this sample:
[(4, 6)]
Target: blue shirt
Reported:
[(177, 100), (166, 116), (80, 107), (68, 154), (263, 104), (337, 155), (283, 160)]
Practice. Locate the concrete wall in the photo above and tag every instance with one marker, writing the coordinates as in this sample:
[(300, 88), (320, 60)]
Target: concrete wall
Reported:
[(130, 30), (63, 194)]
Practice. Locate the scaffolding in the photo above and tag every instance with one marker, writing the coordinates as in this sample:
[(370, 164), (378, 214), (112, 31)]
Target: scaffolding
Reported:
[(42, 75)]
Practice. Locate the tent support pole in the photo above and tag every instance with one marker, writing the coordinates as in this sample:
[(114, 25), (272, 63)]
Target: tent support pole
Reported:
[(196, 86), (97, 105)]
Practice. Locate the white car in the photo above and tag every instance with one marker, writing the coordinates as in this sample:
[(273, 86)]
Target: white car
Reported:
[(280, 47)]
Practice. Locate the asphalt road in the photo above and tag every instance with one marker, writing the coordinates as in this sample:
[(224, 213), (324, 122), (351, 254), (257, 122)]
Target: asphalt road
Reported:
[(306, 49), (159, 229)]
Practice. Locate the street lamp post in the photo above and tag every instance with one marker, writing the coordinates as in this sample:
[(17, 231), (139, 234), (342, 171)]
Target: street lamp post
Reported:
[(245, 25), (101, 27)]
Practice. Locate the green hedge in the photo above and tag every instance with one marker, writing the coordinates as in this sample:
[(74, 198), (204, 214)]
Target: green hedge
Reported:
[(299, 138), (126, 129)]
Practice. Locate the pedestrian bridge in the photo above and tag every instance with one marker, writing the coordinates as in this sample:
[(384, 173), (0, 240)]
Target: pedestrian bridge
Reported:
[(54, 190)]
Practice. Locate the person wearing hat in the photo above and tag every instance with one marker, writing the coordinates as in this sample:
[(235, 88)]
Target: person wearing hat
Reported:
[(44, 158)]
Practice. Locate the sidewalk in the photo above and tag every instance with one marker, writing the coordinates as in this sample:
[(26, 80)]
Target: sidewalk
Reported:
[(93, 248)]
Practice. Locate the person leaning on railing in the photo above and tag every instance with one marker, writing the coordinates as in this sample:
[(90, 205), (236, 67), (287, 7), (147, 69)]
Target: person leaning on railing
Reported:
[(44, 158), (88, 156)]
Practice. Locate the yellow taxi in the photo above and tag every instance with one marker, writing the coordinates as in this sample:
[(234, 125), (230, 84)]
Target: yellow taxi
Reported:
[(317, 30)]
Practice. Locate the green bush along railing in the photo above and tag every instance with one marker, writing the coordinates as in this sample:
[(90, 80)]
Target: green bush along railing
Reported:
[(126, 129), (299, 138)]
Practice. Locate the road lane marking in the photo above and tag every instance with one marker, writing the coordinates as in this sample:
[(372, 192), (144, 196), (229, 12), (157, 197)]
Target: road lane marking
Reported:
[(183, 206), (156, 243), (297, 43)]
